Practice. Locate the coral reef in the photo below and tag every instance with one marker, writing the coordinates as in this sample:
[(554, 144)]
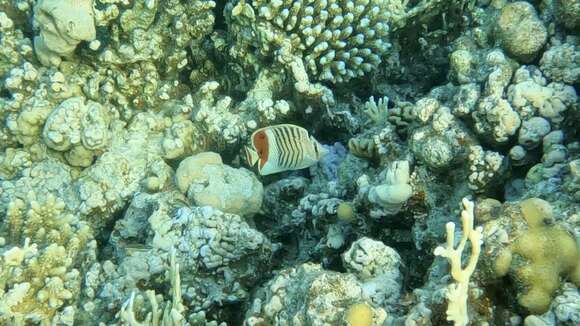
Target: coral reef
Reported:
[(126, 198)]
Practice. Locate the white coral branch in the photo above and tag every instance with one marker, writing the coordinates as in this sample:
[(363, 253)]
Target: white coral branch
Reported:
[(457, 293)]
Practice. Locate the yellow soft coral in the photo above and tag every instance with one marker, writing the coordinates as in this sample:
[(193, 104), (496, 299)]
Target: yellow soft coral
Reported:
[(551, 252)]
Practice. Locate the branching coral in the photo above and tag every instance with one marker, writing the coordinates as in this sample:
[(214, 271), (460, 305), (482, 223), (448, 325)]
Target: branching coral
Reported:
[(173, 312), (41, 279), (457, 293), (377, 111), (337, 40)]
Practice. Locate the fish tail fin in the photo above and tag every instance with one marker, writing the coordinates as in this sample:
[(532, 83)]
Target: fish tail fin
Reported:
[(251, 156), (320, 150)]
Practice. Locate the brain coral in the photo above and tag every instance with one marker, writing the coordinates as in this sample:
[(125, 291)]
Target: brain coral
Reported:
[(337, 39)]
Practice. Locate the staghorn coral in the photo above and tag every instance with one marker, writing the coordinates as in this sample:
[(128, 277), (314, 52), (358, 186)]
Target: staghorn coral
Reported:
[(377, 111)]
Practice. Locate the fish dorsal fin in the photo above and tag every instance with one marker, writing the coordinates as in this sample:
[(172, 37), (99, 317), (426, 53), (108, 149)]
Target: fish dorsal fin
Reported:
[(287, 126)]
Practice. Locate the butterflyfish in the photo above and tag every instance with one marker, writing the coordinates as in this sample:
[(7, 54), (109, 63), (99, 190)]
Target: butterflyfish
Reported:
[(281, 148)]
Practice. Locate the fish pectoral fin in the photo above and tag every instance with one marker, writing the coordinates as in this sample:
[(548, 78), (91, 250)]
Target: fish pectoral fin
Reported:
[(251, 156), (320, 150)]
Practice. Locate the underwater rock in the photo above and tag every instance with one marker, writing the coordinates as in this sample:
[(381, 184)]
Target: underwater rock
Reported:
[(114, 211), (561, 62), (442, 140), (568, 13), (220, 256)]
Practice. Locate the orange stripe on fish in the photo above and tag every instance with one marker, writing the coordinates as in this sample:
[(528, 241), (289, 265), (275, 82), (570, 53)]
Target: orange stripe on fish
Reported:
[(261, 144), (281, 148)]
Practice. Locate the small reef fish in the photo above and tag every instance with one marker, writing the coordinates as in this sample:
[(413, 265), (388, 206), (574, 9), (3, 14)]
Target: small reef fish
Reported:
[(281, 148)]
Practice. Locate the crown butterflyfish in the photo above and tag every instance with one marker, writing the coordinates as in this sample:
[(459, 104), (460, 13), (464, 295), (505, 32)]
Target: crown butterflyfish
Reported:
[(281, 148)]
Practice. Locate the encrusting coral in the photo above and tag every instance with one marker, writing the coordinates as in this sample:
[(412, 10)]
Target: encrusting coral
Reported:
[(322, 298)]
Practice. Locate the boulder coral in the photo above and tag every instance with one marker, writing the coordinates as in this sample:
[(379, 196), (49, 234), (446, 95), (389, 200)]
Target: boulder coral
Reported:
[(520, 31), (63, 25), (209, 182)]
